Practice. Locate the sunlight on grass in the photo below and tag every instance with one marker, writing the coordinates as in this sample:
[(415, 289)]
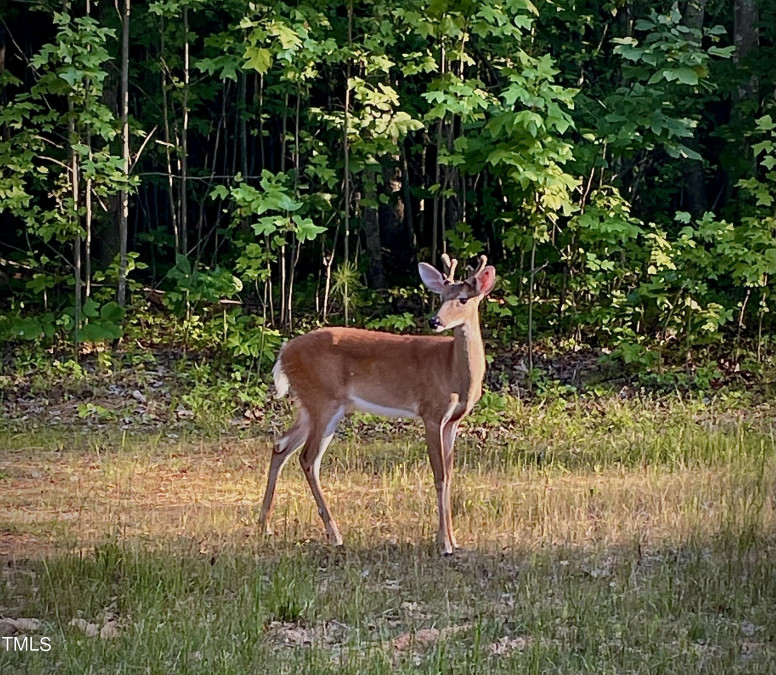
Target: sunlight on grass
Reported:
[(591, 544)]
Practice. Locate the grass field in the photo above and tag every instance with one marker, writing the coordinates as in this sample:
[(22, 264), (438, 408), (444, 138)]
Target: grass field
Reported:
[(610, 538)]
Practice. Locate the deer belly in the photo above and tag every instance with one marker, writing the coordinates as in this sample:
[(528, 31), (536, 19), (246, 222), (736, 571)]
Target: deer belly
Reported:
[(363, 405)]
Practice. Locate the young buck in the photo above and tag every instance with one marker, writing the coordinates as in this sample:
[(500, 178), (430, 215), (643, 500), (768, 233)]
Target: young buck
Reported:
[(334, 371)]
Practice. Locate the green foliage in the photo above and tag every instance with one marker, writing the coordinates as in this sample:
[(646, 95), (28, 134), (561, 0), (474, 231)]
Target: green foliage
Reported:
[(663, 71), (558, 137), (247, 336), (93, 410), (110, 276), (215, 394), (760, 221), (396, 323), (347, 287), (491, 409), (37, 185), (193, 286), (74, 69), (102, 322), (13, 326), (276, 198)]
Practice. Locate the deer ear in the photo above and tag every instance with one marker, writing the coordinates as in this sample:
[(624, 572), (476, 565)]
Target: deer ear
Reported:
[(432, 277), (486, 280)]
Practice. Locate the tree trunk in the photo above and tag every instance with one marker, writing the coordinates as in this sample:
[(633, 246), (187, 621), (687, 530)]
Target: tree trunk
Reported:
[(74, 169), (168, 144), (406, 191), (283, 296), (346, 152), (530, 307), (395, 233), (88, 202), (183, 201), (437, 176), (88, 225), (296, 245), (452, 185), (259, 94), (2, 62), (375, 270), (740, 161), (694, 183), (746, 38), (242, 111), (437, 196), (124, 195)]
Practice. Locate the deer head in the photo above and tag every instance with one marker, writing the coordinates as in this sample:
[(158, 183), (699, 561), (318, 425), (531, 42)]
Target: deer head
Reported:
[(460, 299)]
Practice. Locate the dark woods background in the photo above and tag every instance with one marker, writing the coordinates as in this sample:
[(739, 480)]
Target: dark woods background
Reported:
[(244, 169)]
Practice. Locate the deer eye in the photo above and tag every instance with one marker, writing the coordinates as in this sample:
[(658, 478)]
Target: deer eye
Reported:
[(463, 301)]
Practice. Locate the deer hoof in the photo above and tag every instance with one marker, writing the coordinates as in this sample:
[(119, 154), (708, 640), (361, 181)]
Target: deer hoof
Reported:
[(448, 550), (335, 538)]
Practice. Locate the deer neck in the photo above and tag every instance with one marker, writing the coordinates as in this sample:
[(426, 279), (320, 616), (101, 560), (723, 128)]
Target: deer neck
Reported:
[(469, 359)]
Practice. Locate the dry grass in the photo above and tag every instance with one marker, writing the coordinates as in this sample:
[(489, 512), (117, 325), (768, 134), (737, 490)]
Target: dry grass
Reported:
[(211, 493), (636, 541)]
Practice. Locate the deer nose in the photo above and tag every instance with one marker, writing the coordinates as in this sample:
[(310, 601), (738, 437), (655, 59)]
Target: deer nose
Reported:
[(434, 322)]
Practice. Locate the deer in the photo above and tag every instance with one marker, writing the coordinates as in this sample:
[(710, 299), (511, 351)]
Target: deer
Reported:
[(334, 371)]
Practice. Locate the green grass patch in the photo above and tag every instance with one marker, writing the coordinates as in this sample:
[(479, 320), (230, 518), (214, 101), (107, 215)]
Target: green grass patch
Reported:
[(619, 536)]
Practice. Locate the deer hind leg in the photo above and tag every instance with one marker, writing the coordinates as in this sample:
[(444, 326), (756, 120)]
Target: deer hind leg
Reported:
[(436, 456), (291, 441), (448, 439), (321, 432)]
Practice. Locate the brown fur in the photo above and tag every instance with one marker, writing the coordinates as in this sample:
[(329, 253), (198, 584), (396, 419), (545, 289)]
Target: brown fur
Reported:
[(379, 367), (333, 371)]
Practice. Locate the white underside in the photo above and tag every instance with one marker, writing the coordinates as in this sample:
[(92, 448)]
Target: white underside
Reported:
[(357, 403), (334, 421)]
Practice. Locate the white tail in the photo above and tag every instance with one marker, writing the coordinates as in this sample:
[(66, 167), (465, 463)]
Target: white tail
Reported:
[(334, 371), (281, 381)]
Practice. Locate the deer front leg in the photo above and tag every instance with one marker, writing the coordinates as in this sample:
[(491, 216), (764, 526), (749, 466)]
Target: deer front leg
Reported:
[(436, 456), (448, 439)]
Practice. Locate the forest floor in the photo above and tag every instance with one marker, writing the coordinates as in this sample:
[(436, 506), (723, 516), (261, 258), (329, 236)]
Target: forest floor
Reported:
[(617, 534)]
